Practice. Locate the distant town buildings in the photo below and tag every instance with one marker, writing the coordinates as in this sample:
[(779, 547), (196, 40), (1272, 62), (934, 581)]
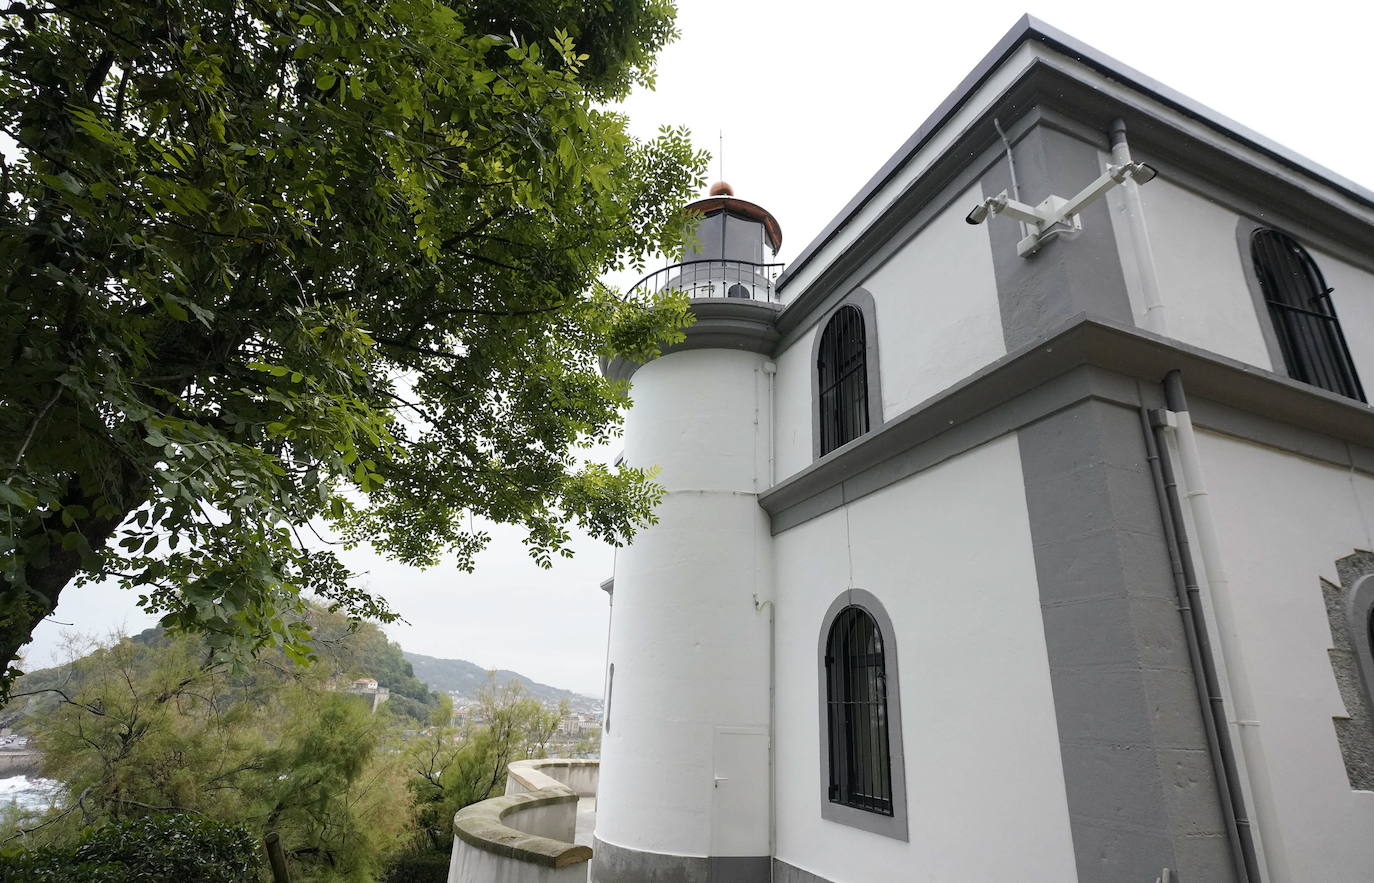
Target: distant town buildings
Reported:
[(578, 733)]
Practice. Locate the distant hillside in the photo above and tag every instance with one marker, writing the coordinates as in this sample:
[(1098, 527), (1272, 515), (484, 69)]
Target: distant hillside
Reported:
[(466, 678), (344, 651)]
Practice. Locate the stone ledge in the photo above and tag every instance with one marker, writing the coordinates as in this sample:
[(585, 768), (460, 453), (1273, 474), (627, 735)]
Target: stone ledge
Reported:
[(531, 776), (480, 825), (720, 323)]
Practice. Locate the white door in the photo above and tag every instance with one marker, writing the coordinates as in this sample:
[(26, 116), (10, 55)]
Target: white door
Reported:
[(739, 816)]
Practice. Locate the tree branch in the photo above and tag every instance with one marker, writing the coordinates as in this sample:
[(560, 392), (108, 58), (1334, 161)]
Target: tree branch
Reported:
[(33, 427), (65, 698)]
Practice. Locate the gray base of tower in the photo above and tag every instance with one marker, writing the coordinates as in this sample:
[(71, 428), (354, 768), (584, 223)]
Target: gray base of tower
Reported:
[(618, 864)]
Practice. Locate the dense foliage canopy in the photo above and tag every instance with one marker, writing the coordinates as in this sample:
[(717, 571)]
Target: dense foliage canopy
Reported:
[(150, 727), (268, 264), (153, 849)]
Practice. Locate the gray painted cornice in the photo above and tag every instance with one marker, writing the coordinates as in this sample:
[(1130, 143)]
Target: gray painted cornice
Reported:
[(721, 323), (1084, 358)]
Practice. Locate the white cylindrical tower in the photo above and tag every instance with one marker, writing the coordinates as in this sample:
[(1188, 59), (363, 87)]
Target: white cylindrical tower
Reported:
[(684, 791)]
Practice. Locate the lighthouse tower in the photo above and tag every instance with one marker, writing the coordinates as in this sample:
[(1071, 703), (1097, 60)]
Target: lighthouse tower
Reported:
[(685, 783)]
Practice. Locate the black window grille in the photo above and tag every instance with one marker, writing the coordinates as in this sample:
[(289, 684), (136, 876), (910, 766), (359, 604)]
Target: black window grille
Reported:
[(856, 702), (1304, 318), (1369, 630), (843, 379)]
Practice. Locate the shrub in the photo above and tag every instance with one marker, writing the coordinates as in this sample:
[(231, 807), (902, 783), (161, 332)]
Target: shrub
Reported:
[(156, 848), (421, 866)]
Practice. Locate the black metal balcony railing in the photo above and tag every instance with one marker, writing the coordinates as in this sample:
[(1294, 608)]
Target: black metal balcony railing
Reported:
[(714, 278)]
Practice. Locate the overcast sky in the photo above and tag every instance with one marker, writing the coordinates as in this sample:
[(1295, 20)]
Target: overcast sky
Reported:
[(813, 98)]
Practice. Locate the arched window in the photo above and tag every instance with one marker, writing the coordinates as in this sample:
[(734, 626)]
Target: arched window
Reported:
[(862, 774), (842, 374), (1304, 319), (856, 700)]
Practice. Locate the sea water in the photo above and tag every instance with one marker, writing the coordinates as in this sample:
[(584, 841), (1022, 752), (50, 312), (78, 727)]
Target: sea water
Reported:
[(28, 793)]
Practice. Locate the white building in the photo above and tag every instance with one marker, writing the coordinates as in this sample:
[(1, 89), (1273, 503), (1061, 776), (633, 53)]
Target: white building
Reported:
[(369, 689), (976, 566)]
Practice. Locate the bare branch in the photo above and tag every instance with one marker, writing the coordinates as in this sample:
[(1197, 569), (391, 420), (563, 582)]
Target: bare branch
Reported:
[(65, 698)]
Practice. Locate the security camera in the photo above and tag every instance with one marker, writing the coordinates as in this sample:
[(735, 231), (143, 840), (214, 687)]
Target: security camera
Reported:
[(1139, 172), (993, 205)]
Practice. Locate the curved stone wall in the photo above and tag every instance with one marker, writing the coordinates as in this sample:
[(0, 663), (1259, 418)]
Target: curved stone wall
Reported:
[(532, 775), (526, 836)]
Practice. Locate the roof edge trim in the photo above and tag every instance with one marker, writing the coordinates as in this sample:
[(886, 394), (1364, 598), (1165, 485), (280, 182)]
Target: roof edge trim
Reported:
[(1029, 28)]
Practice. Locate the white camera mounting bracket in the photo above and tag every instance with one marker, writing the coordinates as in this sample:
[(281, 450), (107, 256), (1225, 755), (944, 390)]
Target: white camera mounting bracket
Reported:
[(1056, 216)]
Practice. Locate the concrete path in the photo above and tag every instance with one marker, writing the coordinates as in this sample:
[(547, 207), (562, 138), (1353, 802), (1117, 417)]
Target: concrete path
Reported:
[(586, 821)]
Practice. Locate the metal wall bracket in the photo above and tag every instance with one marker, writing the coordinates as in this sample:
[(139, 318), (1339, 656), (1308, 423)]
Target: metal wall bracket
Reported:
[(1056, 216)]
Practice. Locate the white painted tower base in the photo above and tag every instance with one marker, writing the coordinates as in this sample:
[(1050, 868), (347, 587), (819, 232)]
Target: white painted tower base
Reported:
[(686, 746)]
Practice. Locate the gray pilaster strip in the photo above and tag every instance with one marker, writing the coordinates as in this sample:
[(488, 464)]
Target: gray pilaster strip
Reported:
[(1068, 276), (1138, 778), (785, 873)]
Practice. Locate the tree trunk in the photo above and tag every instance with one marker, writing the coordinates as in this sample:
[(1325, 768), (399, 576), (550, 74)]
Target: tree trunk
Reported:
[(26, 607)]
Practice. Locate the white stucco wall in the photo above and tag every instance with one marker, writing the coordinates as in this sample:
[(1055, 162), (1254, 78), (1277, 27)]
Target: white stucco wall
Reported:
[(938, 315), (948, 553), (1201, 280), (793, 401), (689, 647), (938, 321), (557, 821), (1207, 301), (1283, 522)]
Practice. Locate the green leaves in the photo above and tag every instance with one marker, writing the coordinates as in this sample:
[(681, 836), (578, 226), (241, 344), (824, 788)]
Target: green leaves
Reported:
[(155, 721), (291, 267)]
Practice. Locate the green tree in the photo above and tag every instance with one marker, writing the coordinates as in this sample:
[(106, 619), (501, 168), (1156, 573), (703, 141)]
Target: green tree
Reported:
[(453, 768), (148, 850), (350, 649), (275, 263), (339, 804), (588, 745), (153, 727)]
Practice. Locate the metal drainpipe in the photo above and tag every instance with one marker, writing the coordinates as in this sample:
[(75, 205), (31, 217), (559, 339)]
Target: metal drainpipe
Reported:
[(1200, 653), (1218, 589), (1140, 235), (772, 736), (1011, 170), (770, 368)]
